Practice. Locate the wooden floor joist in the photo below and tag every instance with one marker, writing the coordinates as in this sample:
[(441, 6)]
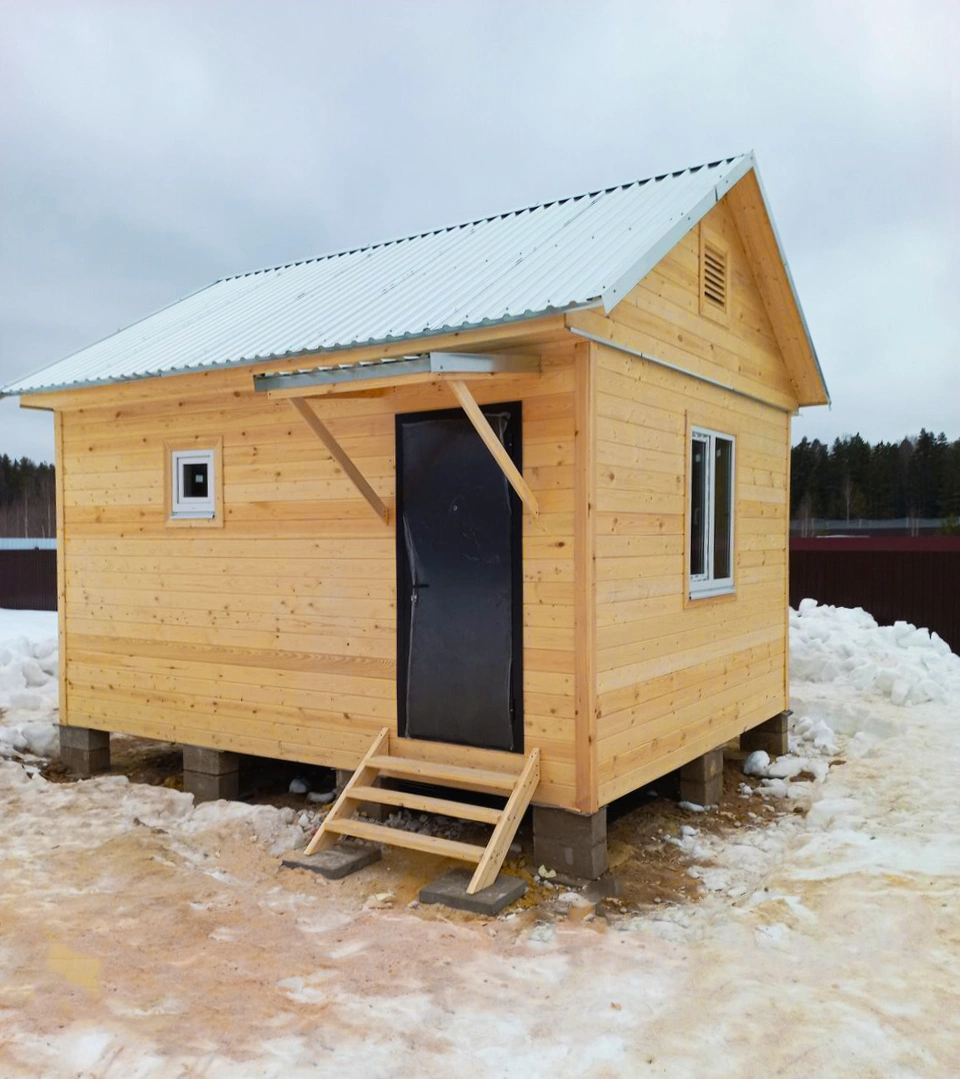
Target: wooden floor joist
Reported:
[(517, 787)]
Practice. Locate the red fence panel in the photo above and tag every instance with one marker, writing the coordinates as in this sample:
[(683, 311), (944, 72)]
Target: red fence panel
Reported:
[(28, 580), (896, 578)]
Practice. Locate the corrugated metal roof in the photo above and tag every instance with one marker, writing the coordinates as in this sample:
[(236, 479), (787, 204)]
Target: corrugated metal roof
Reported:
[(553, 257)]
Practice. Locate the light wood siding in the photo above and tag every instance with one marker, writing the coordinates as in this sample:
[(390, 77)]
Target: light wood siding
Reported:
[(677, 677), (275, 635)]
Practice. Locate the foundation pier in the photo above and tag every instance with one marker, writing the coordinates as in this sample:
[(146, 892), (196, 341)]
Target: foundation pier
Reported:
[(771, 736), (701, 781), (210, 774), (574, 844), (84, 751)]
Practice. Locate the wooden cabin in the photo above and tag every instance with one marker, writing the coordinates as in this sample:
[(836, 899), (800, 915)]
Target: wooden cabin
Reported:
[(507, 499)]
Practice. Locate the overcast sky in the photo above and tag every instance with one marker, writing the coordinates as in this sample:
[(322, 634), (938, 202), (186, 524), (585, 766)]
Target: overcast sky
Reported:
[(148, 148)]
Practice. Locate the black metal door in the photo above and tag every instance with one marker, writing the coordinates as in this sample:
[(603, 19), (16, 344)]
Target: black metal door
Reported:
[(459, 581)]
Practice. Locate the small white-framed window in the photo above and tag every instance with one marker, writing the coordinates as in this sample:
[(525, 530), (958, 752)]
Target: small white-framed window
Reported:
[(712, 472), (194, 486)]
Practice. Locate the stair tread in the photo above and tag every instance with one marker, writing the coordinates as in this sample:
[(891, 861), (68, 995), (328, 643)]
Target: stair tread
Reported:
[(397, 837), (427, 804), (478, 778)]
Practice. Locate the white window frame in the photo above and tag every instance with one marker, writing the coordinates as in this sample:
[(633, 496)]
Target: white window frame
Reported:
[(703, 585), (187, 508)]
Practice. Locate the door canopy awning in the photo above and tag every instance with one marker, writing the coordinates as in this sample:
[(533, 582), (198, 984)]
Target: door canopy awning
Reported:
[(381, 376), (393, 373)]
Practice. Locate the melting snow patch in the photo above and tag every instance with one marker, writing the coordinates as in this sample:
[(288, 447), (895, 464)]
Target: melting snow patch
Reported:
[(542, 933)]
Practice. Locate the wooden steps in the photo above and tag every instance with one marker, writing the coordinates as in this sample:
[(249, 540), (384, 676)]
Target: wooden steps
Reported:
[(425, 804), (510, 776), (445, 775), (398, 837)]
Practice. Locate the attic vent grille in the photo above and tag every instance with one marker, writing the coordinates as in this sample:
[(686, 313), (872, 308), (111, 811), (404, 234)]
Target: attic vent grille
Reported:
[(715, 276)]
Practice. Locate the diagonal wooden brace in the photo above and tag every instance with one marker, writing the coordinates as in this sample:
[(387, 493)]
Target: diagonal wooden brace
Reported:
[(338, 453), (494, 445)]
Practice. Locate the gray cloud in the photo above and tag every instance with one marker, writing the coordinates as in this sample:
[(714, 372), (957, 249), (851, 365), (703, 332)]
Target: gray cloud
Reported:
[(150, 148)]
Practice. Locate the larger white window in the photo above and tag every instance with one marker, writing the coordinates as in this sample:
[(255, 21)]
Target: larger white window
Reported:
[(711, 513), (193, 493)]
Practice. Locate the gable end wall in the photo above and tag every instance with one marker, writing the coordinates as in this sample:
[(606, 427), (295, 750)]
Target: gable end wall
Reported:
[(676, 678)]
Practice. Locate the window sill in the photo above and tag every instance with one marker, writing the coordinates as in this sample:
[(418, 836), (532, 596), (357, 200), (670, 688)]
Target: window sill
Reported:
[(711, 593), (194, 520)]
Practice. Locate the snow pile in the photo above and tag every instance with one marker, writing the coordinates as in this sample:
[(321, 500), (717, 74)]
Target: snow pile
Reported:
[(280, 830), (839, 657), (847, 647), (844, 652), (735, 865), (29, 683), (812, 742), (114, 806)]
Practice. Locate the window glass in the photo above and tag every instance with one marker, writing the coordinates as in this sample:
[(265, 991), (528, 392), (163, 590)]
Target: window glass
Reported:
[(722, 506), (195, 481), (711, 513), (698, 506)]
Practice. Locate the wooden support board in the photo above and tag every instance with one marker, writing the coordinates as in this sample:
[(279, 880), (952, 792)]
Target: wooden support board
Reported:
[(452, 775), (397, 837), (423, 803), (493, 444), (344, 806), (506, 829)]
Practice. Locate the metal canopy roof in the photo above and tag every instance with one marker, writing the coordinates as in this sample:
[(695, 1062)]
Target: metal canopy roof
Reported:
[(575, 252), (426, 363)]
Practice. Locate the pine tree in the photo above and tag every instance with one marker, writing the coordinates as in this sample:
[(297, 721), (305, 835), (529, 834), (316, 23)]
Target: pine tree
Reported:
[(915, 477)]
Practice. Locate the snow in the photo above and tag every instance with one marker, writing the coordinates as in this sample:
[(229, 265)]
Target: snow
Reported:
[(143, 936), (905, 664), (29, 685)]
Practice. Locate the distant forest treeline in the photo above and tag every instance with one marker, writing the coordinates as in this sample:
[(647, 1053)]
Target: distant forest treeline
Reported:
[(916, 477), (27, 498)]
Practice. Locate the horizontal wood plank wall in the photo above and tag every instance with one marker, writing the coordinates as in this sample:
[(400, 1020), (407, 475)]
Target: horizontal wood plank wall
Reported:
[(661, 316), (276, 635), (676, 678)]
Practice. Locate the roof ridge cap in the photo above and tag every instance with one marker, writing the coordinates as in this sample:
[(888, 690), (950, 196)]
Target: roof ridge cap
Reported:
[(456, 226)]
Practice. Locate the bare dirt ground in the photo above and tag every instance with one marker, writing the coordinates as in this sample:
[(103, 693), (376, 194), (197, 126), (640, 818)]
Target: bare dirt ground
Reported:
[(811, 935), (645, 869)]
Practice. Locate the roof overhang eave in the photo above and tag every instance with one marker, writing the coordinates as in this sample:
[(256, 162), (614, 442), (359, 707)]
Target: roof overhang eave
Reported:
[(16, 389), (794, 293)]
